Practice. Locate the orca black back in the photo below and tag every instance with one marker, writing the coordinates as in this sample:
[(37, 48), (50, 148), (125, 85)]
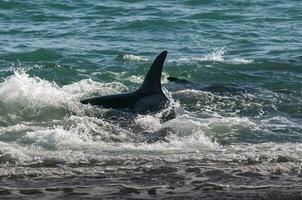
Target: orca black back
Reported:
[(149, 97)]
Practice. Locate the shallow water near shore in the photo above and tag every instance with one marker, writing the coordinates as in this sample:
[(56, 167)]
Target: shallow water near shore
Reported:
[(238, 127)]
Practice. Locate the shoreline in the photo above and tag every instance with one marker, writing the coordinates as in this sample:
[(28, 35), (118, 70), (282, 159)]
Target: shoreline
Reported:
[(113, 186)]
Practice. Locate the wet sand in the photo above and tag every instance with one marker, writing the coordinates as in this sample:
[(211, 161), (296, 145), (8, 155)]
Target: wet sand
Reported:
[(88, 188), (173, 181)]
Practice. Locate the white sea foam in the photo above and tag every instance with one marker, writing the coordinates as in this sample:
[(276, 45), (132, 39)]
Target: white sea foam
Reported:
[(90, 138), (148, 122), (87, 87), (32, 92), (241, 61), (14, 153), (140, 79), (216, 55), (195, 141), (262, 158), (135, 79), (20, 92), (131, 57), (77, 138)]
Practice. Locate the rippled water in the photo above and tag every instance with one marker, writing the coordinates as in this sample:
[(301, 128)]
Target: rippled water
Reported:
[(238, 126)]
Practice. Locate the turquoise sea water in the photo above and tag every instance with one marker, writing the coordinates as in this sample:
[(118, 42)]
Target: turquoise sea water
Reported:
[(239, 125)]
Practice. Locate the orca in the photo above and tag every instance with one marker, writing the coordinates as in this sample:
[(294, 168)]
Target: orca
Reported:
[(148, 98), (179, 80)]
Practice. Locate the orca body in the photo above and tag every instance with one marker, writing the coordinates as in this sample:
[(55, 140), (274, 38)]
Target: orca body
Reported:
[(178, 80), (148, 98)]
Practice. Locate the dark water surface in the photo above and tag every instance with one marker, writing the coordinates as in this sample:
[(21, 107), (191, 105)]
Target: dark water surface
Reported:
[(238, 127)]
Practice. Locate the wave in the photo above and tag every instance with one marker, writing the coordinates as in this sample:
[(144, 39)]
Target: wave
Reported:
[(23, 97), (216, 55), (59, 147), (215, 15), (38, 55), (44, 124), (9, 5)]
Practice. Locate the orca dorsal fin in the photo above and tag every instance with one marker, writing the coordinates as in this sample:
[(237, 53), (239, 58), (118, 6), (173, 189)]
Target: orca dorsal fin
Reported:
[(152, 82)]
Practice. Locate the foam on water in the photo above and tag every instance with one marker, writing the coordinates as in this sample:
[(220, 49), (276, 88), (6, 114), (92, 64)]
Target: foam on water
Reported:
[(216, 55), (20, 89), (89, 139), (241, 61), (140, 79), (130, 57), (20, 93), (73, 130), (83, 134), (136, 79), (148, 122)]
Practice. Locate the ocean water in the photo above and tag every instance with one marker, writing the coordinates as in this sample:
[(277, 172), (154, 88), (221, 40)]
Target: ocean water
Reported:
[(238, 126)]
